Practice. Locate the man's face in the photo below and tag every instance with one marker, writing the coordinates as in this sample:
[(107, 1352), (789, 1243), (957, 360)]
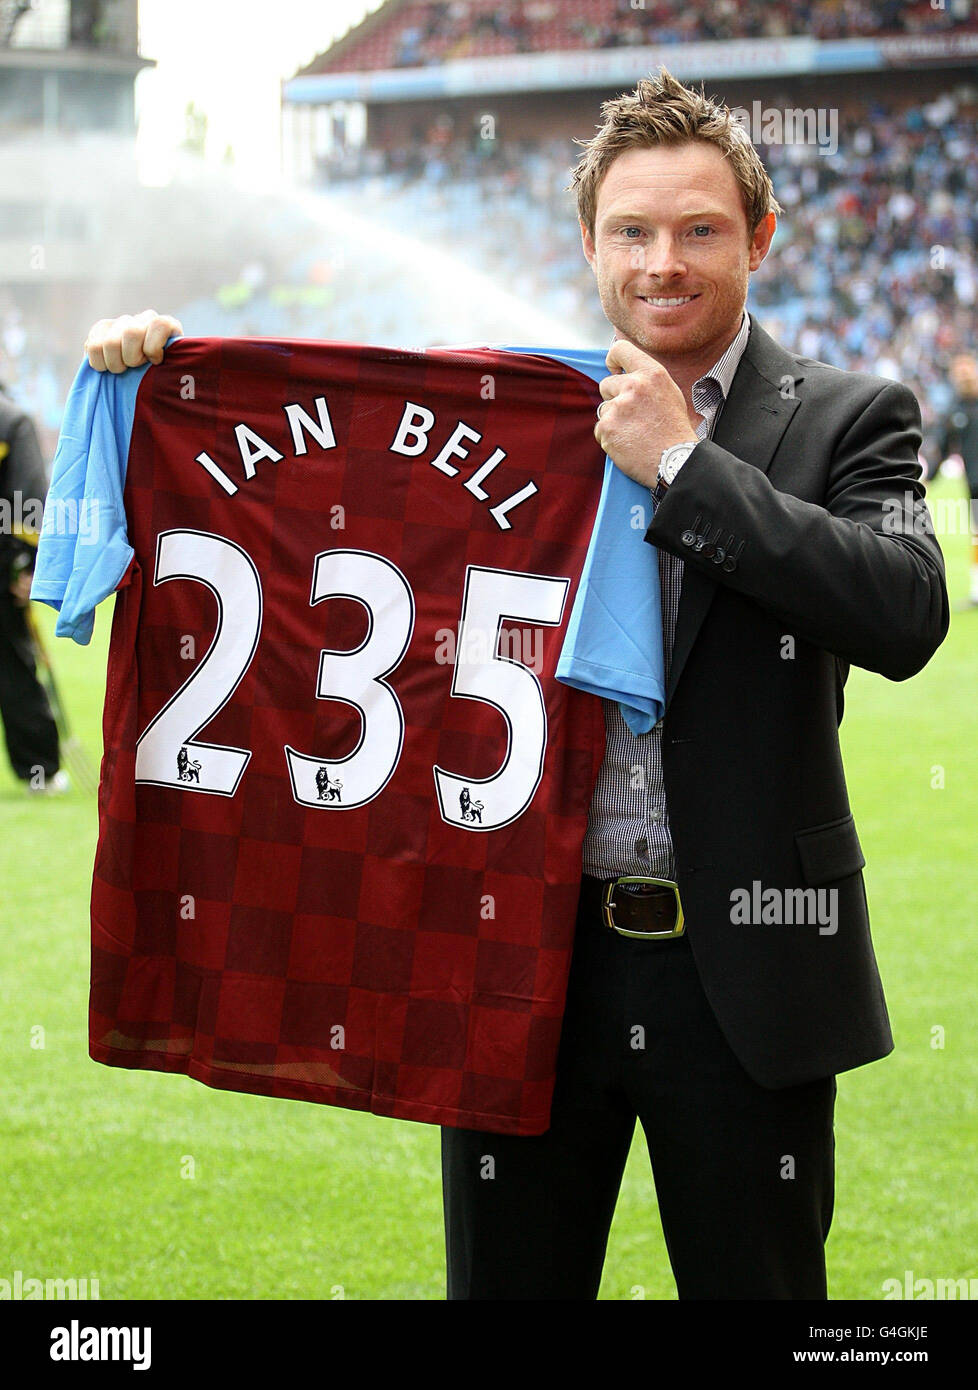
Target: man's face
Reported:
[(964, 376), (670, 222)]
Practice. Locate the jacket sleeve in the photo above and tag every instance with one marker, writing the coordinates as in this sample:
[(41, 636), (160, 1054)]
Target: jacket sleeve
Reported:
[(861, 576)]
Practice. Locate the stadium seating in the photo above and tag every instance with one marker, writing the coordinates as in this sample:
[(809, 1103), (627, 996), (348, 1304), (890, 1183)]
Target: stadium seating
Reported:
[(435, 31)]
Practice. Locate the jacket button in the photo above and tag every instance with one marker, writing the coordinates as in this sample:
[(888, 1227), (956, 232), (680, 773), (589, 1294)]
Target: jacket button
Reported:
[(730, 564), (720, 555), (688, 538)]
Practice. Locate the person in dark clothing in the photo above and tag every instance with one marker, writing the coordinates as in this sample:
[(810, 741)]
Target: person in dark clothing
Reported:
[(29, 727), (960, 436)]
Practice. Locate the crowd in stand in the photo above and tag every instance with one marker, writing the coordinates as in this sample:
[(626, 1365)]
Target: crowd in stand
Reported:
[(445, 29)]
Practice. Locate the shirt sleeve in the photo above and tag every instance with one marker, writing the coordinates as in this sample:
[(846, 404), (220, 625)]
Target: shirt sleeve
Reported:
[(84, 550), (613, 644)]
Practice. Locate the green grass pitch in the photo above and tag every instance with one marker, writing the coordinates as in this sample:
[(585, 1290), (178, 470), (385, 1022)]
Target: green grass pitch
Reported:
[(162, 1188)]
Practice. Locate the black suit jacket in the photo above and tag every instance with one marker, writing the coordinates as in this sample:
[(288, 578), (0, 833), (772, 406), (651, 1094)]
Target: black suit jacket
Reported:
[(22, 472), (801, 518)]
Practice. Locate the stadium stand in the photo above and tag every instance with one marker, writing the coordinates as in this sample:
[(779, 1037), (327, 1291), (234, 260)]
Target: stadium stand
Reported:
[(417, 34)]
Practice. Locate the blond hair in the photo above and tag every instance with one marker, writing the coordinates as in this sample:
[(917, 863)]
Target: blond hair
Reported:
[(662, 111)]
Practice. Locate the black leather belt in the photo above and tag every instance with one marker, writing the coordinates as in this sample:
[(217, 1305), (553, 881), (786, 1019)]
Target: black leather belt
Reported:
[(647, 909)]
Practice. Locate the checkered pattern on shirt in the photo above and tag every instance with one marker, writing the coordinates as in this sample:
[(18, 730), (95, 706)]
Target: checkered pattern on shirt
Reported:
[(376, 958), (628, 823)]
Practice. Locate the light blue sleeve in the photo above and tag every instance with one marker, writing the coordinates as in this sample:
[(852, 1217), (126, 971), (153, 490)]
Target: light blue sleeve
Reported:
[(83, 550), (613, 645)]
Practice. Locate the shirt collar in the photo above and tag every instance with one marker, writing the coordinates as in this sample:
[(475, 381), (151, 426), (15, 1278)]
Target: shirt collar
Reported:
[(723, 371)]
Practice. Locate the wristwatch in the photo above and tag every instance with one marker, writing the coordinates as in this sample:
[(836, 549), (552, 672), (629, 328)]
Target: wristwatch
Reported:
[(670, 463)]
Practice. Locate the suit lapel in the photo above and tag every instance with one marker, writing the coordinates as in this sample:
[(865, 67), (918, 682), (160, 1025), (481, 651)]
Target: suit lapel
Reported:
[(755, 415)]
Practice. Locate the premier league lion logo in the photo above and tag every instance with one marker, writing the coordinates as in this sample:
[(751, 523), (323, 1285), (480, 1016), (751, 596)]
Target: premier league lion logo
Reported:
[(328, 791), (188, 770), (471, 810)]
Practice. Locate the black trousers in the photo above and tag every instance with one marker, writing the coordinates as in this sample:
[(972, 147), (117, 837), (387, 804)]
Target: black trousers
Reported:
[(28, 725), (744, 1175)]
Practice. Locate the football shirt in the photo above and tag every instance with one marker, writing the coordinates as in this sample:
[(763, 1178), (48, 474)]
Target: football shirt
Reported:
[(343, 793)]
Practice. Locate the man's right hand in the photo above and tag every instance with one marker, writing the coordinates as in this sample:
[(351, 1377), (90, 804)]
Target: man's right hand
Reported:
[(20, 588), (130, 340)]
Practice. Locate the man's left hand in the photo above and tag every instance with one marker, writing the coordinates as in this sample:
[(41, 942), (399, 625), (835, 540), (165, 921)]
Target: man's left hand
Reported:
[(645, 413)]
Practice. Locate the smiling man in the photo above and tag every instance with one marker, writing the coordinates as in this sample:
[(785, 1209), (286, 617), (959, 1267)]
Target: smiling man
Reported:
[(773, 484), (720, 1030)]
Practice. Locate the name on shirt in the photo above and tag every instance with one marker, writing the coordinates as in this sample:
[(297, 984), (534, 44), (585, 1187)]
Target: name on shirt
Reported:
[(412, 439)]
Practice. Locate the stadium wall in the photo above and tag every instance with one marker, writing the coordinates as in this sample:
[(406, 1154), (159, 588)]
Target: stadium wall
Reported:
[(562, 115)]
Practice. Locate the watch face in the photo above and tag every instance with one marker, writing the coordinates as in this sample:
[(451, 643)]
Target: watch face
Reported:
[(674, 458)]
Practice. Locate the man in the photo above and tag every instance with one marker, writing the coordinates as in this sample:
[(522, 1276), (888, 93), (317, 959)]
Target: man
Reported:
[(779, 487), (960, 436), (28, 724)]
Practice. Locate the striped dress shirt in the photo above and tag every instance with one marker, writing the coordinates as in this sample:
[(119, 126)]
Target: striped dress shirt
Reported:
[(628, 822)]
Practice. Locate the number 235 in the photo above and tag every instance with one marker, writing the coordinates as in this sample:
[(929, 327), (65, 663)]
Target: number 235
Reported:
[(169, 754)]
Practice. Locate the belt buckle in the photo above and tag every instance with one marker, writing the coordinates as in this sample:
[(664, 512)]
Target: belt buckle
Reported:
[(608, 905)]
